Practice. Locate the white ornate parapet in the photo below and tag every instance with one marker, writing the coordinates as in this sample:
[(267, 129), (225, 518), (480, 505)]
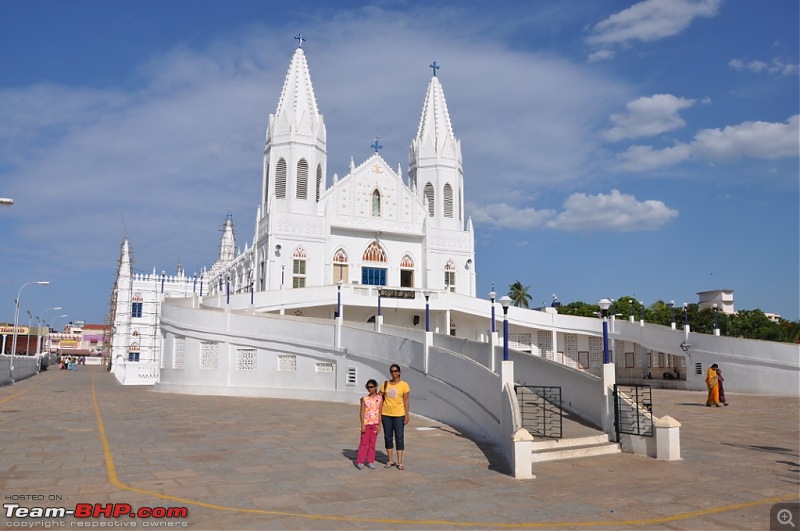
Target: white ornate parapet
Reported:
[(136, 372)]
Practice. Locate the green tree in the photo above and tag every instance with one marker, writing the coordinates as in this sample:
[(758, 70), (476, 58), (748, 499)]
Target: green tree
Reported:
[(519, 294), (579, 308), (753, 324)]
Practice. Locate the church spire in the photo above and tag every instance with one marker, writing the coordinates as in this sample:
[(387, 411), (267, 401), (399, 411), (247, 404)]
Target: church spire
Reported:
[(297, 107), (227, 246), (435, 168)]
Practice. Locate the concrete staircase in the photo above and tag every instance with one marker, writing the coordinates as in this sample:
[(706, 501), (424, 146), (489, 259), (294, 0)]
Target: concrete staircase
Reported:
[(588, 446)]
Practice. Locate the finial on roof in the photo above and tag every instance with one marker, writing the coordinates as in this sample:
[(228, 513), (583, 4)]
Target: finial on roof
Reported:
[(229, 217), (377, 144), (435, 67), (300, 40)]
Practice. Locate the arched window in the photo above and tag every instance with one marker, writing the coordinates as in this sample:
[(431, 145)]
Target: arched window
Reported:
[(280, 179), (370, 274), (448, 201), (428, 193), (374, 253), (133, 352), (319, 181), (407, 272), (341, 267), (460, 215), (450, 276), (302, 179), (136, 305), (376, 203), (299, 268)]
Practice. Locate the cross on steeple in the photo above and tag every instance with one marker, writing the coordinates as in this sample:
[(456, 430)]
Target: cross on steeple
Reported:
[(435, 67), (300, 40), (377, 145)]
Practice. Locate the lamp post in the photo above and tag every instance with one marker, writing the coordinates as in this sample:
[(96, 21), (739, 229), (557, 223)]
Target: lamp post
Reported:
[(201, 285), (163, 278), (685, 315), (16, 313), (427, 294), (505, 302), (671, 305), (194, 284), (641, 313), (605, 304), (716, 319), (492, 295), (6, 201), (228, 289), (379, 302), (339, 298), (28, 337)]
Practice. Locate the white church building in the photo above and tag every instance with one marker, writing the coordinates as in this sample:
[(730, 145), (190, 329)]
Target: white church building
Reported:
[(378, 267)]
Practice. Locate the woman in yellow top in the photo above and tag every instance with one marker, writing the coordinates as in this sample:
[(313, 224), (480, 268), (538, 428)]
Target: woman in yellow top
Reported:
[(394, 415), (713, 386)]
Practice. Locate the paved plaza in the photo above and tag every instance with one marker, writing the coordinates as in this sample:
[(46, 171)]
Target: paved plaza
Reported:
[(79, 437)]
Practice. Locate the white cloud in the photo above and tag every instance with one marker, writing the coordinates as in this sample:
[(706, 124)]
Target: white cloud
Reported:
[(651, 20), (648, 116), (777, 67), (757, 140), (615, 212), (505, 216)]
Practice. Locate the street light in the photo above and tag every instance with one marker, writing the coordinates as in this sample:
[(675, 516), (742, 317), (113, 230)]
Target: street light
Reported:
[(505, 302), (641, 312), (427, 294), (6, 201), (339, 297), (16, 312), (685, 315), (492, 295), (605, 304), (228, 289), (716, 319)]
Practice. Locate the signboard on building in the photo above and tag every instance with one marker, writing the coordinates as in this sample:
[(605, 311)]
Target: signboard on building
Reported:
[(397, 294), (21, 330)]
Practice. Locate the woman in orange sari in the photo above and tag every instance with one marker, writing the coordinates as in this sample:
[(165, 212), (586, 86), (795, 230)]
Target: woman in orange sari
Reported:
[(712, 382)]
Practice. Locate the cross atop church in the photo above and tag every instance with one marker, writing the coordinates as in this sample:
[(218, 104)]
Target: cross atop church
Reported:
[(377, 145), (300, 40), (435, 67)]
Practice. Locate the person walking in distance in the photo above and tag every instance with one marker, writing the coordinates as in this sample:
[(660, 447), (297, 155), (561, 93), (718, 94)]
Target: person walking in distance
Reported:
[(395, 415), (370, 416)]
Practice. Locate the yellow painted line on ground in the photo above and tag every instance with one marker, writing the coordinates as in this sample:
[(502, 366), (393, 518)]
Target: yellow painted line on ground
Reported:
[(15, 395), (114, 480)]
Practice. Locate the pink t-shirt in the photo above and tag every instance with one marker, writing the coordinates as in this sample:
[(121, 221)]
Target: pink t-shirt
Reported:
[(372, 409)]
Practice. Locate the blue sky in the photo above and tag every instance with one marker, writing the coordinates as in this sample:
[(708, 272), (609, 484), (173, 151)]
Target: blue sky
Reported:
[(610, 147)]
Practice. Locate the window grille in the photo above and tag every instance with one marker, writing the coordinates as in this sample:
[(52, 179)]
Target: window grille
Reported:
[(376, 204), (208, 355), (280, 179), (179, 353), (571, 350), (595, 352), (324, 367), (374, 253), (544, 340), (299, 268), (448, 201), (352, 376), (302, 179), (319, 181), (246, 359), (287, 363), (428, 192)]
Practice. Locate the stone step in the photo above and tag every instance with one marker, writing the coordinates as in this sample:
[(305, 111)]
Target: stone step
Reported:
[(573, 449), (560, 444)]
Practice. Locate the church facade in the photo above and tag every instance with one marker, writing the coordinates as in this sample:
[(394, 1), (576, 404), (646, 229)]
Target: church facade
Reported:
[(375, 226)]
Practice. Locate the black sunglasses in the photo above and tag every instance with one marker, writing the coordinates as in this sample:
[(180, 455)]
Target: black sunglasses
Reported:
[(371, 386), (395, 370)]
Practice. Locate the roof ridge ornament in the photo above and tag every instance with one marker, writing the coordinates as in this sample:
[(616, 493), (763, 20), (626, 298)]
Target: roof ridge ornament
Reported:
[(377, 144), (299, 38), (435, 66)]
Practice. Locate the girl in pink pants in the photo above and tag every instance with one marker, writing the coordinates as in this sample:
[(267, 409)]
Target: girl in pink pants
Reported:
[(370, 425)]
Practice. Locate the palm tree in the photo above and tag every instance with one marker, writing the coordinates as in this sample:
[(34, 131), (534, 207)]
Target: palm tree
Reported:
[(519, 294)]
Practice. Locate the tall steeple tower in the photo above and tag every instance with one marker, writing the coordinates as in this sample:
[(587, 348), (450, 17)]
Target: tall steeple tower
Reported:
[(295, 156), (435, 166), (227, 244)]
